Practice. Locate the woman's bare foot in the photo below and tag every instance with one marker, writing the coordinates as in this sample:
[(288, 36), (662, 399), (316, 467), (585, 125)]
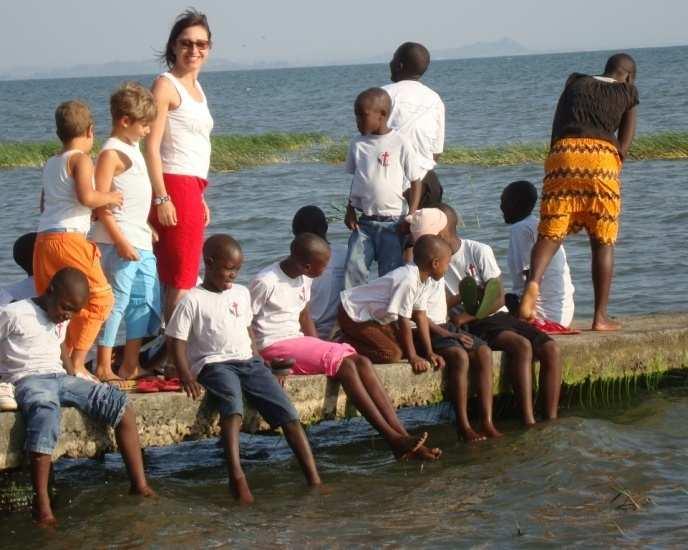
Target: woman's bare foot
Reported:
[(469, 435), (241, 491), (133, 372), (404, 447), (143, 491), (490, 431), (526, 310), (82, 372), (605, 324)]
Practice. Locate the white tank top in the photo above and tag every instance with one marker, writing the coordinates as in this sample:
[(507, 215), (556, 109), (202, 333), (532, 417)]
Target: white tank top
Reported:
[(135, 186), (61, 208), (185, 147)]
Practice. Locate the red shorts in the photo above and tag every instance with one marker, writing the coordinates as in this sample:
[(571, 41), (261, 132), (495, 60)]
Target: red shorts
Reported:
[(178, 250)]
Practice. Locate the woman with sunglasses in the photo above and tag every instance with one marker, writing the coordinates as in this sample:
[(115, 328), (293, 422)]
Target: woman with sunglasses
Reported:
[(177, 153)]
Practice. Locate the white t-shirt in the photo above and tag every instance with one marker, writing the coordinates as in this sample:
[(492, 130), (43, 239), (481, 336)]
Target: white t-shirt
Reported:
[(277, 302), (29, 342), (325, 292), (61, 207), (474, 259), (418, 113), (214, 325), (437, 302), (555, 302), (397, 294), (135, 186), (21, 290), (382, 167)]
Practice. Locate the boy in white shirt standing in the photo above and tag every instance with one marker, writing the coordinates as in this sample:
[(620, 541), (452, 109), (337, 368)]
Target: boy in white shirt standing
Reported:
[(284, 330), (211, 343), (521, 341), (383, 164), (33, 356), (555, 301), (418, 114)]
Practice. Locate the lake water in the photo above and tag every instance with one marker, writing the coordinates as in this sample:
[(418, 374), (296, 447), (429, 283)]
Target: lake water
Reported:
[(549, 486)]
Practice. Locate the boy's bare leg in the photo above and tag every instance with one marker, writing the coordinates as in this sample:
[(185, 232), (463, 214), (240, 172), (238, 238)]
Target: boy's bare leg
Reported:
[(540, 256), (602, 273), (127, 436), (131, 368), (550, 378), (481, 359), (104, 371), (402, 445), (457, 363), (238, 485), (520, 358), (298, 442), (41, 465), (78, 357)]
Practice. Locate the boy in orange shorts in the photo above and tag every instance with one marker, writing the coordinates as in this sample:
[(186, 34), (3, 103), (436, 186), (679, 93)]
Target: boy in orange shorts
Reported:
[(67, 199)]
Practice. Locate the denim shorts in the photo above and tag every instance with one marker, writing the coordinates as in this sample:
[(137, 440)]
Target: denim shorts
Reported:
[(40, 397), (229, 380)]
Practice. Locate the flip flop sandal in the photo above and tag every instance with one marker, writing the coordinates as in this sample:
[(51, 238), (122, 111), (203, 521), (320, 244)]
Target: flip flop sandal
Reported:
[(492, 293), (147, 385), (468, 289), (122, 385), (171, 385), (550, 327)]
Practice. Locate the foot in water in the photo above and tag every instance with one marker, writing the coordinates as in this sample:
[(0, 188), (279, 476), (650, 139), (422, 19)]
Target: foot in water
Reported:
[(404, 447), (144, 491), (425, 453), (43, 515), (490, 431), (469, 435), (605, 324), (241, 491), (526, 311)]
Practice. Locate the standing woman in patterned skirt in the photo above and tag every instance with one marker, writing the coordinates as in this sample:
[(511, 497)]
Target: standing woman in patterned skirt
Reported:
[(593, 129), (177, 153)]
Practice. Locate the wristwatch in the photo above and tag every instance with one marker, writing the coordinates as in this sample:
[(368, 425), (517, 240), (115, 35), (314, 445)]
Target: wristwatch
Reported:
[(157, 201)]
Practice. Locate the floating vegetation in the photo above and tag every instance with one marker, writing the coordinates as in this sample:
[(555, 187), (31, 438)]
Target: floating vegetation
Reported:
[(234, 152)]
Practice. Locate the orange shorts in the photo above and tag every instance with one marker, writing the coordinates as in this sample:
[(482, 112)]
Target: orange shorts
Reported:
[(581, 189), (55, 251)]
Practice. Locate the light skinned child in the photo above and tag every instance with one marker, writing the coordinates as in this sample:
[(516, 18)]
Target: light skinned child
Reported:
[(123, 235), (284, 330), (33, 356), (522, 342), (212, 348), (555, 301), (383, 165), (461, 350), (325, 289), (67, 199)]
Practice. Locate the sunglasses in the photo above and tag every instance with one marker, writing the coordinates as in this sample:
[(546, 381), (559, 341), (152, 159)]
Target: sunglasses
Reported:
[(187, 44)]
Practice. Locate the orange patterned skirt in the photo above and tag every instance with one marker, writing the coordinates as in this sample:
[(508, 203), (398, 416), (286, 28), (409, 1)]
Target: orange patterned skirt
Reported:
[(581, 189)]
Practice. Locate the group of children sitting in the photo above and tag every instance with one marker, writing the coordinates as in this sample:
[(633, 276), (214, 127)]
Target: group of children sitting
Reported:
[(438, 300)]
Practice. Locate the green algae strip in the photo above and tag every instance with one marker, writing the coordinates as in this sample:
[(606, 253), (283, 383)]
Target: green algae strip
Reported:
[(234, 152)]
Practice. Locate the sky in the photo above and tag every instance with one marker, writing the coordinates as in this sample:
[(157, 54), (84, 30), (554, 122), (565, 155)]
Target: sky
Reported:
[(55, 34)]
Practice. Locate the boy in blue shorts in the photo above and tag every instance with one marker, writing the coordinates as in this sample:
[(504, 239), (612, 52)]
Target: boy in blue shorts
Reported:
[(383, 165), (33, 356), (212, 348)]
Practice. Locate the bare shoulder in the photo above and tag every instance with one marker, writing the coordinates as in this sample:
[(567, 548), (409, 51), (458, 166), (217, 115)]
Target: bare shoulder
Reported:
[(79, 162), (164, 91)]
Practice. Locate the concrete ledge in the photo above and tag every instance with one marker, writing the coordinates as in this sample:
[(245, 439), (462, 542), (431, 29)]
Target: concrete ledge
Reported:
[(648, 344)]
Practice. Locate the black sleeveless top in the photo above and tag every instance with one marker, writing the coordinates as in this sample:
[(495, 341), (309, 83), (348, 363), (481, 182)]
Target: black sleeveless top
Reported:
[(589, 107)]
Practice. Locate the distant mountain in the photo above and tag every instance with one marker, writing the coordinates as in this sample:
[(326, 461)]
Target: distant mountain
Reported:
[(503, 47)]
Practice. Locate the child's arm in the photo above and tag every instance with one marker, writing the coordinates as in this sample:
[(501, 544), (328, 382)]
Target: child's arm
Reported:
[(423, 328), (415, 195), (192, 388), (109, 165), (66, 359), (307, 324), (627, 131), (350, 218), (418, 364), (164, 95), (81, 169)]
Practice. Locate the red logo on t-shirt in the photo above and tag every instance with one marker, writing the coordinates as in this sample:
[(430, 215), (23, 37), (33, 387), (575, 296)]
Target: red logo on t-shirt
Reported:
[(302, 294), (234, 309), (383, 159)]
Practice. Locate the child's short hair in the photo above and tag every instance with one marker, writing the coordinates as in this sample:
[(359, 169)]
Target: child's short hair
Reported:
[(310, 219), (72, 120), (524, 193), (23, 252), (134, 101)]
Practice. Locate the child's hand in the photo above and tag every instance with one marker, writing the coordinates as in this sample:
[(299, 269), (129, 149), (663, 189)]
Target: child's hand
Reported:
[(116, 199), (418, 364), (465, 339), (437, 361), (404, 228), (192, 388), (350, 219), (126, 251), (281, 368)]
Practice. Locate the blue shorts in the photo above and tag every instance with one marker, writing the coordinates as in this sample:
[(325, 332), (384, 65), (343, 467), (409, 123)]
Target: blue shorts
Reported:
[(228, 381), (136, 289), (40, 397)]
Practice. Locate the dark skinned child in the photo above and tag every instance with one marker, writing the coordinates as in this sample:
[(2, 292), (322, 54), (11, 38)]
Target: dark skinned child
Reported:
[(212, 347), (284, 329), (34, 357)]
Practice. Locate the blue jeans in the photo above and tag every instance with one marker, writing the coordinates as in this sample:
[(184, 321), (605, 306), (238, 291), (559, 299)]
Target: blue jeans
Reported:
[(40, 397), (136, 289), (229, 380), (373, 240)]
